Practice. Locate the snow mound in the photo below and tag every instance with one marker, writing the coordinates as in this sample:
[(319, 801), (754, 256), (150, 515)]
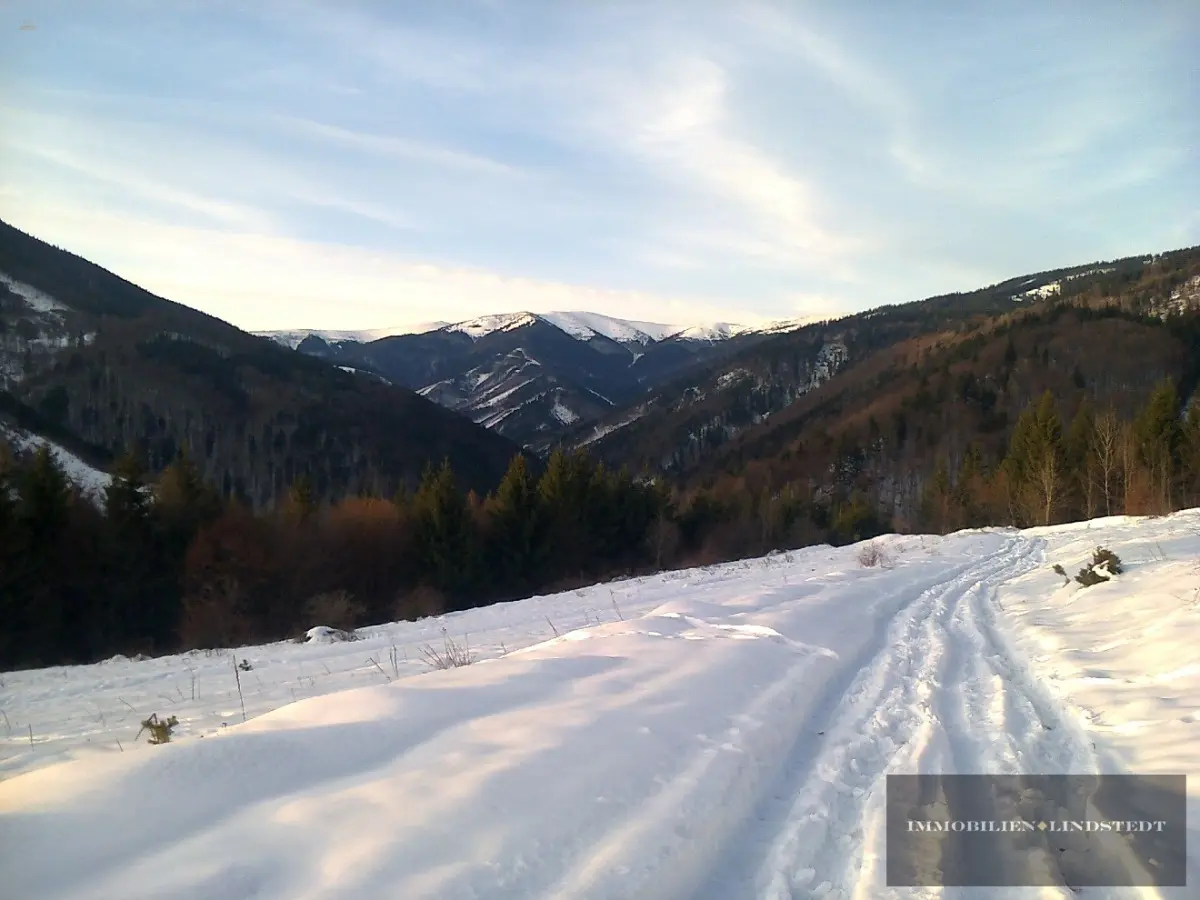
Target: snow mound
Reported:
[(323, 634)]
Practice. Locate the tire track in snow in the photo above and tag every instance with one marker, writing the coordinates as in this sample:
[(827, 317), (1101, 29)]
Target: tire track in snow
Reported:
[(712, 803), (876, 708), (1026, 730)]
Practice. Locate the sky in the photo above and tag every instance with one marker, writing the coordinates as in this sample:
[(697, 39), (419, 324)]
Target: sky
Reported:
[(354, 165)]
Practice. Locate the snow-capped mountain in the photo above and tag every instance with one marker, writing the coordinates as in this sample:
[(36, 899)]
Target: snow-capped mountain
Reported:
[(294, 337), (531, 375)]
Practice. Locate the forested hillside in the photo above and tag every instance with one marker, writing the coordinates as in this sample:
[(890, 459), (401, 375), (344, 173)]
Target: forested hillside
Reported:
[(103, 366), (1071, 403)]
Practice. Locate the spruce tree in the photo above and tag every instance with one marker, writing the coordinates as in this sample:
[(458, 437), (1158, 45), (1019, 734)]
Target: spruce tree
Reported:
[(445, 532), (1034, 464), (1080, 459), (517, 527), (1157, 431), (42, 516), (135, 584), (9, 549)]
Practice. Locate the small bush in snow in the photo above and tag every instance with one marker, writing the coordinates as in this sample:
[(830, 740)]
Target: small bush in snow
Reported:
[(160, 729), (873, 555), (1104, 565), (451, 656), (1058, 569)]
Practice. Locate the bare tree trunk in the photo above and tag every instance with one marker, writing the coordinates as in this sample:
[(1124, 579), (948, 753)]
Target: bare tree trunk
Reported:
[(1046, 481), (1106, 440)]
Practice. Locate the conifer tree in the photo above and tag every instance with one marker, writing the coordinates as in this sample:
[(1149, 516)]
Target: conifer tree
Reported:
[(1080, 459), (1035, 461), (42, 515), (563, 489), (131, 557), (517, 526), (1157, 432), (444, 532), (9, 548)]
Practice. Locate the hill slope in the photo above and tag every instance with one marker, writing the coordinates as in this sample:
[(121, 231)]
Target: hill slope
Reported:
[(99, 362), (765, 399), (681, 750)]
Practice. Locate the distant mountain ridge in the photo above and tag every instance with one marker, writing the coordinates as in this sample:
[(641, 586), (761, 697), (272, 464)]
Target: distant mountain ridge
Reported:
[(579, 324), (99, 366), (533, 376)]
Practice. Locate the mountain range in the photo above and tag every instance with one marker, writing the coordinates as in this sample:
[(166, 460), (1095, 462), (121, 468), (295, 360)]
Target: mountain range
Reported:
[(100, 366), (866, 404), (532, 376)]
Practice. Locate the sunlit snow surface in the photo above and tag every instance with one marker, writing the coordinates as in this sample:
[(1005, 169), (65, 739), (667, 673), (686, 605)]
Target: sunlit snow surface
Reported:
[(717, 733)]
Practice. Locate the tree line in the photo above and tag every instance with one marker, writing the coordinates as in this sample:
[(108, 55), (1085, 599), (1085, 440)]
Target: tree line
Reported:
[(1057, 470), (163, 564)]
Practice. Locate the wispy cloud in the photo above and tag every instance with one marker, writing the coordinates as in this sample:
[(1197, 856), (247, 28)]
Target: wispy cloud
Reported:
[(399, 147), (737, 159), (247, 277)]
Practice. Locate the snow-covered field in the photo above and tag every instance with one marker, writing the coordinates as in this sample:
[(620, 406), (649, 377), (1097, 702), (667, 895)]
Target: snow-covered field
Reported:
[(716, 733)]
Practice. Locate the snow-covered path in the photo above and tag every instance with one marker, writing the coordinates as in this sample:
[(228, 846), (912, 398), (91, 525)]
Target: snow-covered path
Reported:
[(726, 733)]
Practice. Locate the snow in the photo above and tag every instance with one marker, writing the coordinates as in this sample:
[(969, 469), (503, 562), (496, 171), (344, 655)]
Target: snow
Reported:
[(90, 481), (39, 301), (716, 331), (563, 414), (578, 324), (718, 732), (1039, 293), (601, 431), (586, 325), (295, 337), (485, 325)]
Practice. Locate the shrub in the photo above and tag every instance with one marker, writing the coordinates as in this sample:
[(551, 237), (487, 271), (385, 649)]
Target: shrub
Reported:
[(873, 555), (1104, 565), (451, 656), (160, 729)]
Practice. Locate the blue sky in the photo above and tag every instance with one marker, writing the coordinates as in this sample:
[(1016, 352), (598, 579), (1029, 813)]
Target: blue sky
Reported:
[(291, 163)]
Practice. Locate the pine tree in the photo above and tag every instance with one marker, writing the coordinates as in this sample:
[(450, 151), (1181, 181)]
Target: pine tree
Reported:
[(444, 532), (42, 515), (1035, 461), (563, 489), (517, 526), (134, 584), (183, 504), (1080, 459), (10, 638), (1157, 432)]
